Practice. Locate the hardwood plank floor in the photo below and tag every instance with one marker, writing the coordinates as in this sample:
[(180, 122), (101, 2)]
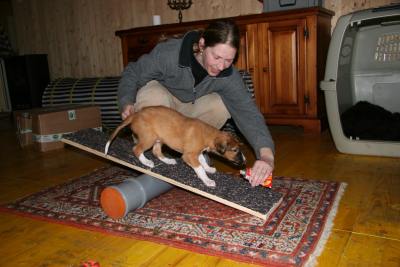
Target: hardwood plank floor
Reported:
[(366, 230)]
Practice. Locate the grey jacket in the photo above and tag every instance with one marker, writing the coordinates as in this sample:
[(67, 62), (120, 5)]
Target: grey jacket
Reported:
[(170, 64)]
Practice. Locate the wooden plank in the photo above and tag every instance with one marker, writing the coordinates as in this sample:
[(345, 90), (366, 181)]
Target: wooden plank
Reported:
[(230, 190)]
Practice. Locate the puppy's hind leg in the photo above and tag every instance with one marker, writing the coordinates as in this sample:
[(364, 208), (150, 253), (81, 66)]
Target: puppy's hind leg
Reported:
[(193, 162), (205, 165), (157, 151), (138, 151)]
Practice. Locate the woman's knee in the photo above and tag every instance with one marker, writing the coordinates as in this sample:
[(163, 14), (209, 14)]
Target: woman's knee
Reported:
[(152, 94), (217, 106), (213, 110)]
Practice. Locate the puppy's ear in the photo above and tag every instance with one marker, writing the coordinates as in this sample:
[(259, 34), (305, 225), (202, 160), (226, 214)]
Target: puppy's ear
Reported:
[(221, 148), (237, 141), (220, 145)]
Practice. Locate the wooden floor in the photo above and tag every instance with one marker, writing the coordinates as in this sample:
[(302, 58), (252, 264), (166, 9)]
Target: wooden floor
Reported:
[(366, 230)]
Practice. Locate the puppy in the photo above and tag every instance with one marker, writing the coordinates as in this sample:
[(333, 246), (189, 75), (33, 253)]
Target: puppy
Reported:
[(155, 126)]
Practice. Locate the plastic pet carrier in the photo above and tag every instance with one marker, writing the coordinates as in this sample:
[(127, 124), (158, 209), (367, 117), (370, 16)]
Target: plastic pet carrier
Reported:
[(362, 82)]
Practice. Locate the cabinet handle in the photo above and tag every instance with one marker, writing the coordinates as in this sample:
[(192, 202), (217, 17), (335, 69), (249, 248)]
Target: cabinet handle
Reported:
[(265, 69)]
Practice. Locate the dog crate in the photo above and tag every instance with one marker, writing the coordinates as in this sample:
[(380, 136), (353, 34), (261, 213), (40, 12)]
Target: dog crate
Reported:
[(363, 67)]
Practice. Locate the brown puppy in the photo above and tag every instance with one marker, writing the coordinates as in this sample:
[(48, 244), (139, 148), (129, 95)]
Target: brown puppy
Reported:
[(155, 126)]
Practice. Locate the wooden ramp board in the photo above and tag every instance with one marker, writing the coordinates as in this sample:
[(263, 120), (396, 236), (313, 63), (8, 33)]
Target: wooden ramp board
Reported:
[(230, 190)]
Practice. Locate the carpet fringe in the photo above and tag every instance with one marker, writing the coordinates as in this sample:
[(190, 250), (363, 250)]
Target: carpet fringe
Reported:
[(312, 260)]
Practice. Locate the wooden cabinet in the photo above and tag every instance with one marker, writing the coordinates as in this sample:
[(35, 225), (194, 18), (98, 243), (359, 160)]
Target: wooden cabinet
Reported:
[(284, 52)]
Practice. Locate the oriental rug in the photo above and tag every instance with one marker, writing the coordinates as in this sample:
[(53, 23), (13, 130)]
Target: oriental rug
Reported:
[(293, 235)]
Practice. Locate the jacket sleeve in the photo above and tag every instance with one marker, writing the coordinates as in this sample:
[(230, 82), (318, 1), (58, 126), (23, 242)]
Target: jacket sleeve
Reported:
[(246, 114), (136, 74)]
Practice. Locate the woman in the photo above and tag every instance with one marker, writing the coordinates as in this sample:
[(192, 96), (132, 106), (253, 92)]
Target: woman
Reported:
[(195, 76)]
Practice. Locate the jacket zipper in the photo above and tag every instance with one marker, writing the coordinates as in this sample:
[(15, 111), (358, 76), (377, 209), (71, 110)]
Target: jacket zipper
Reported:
[(194, 88), (194, 95)]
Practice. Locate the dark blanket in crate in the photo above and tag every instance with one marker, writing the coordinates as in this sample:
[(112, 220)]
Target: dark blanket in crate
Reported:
[(367, 121), (103, 92)]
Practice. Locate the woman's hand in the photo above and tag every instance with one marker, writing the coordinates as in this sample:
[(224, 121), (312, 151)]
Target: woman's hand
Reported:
[(262, 167), (128, 110)]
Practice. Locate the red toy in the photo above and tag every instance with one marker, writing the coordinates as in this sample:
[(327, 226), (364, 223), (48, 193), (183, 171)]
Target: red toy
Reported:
[(90, 263), (247, 173)]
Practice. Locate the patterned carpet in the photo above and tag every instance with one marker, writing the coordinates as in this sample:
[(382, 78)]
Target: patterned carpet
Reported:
[(293, 235)]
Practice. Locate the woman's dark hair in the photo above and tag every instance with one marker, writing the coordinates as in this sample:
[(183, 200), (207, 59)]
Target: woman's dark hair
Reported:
[(222, 32)]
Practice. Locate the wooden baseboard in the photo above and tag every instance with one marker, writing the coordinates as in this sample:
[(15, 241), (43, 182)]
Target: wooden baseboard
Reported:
[(315, 126)]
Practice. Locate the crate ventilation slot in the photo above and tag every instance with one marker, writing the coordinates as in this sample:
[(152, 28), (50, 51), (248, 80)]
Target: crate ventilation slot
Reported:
[(388, 48)]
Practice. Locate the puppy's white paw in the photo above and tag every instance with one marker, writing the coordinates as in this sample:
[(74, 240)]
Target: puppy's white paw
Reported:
[(203, 176), (210, 169), (168, 161), (145, 161), (209, 183)]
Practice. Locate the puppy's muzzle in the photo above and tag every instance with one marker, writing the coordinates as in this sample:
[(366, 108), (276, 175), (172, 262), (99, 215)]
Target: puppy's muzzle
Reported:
[(239, 159)]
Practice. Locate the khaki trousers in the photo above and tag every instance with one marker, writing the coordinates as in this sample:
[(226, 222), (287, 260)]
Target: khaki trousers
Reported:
[(208, 108)]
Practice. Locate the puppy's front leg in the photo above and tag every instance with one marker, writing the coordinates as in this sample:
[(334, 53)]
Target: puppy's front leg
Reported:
[(193, 162), (205, 165), (201, 173)]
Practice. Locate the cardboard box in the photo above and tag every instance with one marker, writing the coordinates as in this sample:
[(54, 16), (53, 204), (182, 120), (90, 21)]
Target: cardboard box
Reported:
[(49, 124), (23, 124)]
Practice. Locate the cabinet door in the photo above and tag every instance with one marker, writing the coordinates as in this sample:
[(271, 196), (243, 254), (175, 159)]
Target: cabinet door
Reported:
[(252, 63), (282, 70), (241, 61)]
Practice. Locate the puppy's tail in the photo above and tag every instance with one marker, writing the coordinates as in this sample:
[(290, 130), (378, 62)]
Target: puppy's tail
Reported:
[(126, 122)]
